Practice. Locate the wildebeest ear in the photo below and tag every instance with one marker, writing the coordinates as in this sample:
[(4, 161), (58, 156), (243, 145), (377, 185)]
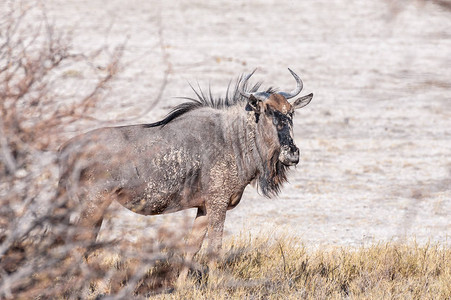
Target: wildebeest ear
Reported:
[(253, 104), (303, 101)]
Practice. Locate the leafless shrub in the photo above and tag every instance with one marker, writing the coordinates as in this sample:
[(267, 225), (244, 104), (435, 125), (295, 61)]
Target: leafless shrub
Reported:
[(37, 258)]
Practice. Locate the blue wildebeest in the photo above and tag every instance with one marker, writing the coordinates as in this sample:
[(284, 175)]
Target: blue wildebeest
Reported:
[(202, 155)]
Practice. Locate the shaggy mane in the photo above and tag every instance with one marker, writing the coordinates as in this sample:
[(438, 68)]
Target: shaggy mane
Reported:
[(207, 100)]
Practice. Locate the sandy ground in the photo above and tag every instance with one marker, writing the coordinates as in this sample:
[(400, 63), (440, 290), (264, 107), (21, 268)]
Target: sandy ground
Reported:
[(375, 141)]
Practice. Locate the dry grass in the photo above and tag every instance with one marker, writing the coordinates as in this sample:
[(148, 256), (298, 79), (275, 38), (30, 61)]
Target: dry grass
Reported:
[(265, 268)]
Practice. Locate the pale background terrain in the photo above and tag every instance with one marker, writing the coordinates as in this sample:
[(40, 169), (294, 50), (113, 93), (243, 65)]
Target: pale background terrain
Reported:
[(375, 141)]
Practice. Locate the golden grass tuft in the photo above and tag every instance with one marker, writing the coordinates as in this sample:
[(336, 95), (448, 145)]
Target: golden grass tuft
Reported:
[(267, 268)]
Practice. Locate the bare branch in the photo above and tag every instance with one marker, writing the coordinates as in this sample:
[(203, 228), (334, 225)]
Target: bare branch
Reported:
[(39, 255), (7, 157)]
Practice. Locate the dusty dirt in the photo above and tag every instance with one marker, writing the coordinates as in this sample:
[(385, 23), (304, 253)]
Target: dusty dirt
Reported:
[(375, 141)]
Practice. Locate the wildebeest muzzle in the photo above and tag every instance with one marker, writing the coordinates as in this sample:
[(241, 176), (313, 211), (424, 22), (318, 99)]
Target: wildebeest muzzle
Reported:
[(289, 155)]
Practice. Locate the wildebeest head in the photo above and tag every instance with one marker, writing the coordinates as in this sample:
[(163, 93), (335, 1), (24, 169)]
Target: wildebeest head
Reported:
[(275, 108)]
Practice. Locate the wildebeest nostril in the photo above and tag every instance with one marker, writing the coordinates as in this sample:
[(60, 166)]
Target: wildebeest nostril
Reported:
[(294, 149), (295, 157)]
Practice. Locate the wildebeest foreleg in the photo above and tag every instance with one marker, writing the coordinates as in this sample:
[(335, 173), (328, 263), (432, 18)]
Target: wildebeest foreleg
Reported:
[(216, 213), (194, 243)]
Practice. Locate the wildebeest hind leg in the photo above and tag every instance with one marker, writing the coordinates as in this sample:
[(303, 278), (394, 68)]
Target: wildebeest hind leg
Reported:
[(194, 243), (90, 221)]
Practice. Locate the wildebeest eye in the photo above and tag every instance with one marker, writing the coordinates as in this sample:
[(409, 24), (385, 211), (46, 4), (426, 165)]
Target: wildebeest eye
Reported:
[(279, 123)]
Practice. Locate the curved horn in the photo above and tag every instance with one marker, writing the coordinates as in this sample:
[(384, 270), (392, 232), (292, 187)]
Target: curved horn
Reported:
[(298, 88), (259, 95)]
